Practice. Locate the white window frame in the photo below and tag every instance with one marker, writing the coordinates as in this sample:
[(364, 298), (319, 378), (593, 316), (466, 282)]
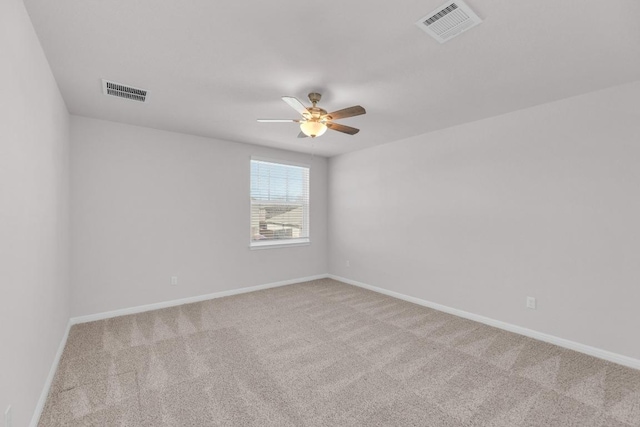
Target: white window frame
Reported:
[(285, 243)]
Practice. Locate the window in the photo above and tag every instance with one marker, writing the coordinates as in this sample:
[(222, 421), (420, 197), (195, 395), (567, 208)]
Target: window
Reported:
[(279, 203)]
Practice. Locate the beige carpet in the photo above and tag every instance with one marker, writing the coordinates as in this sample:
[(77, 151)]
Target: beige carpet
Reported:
[(324, 353)]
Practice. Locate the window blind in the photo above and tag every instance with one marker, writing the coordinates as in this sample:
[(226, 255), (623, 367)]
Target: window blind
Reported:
[(279, 202)]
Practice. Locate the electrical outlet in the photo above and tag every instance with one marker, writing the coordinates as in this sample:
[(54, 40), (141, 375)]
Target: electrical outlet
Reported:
[(174, 280), (531, 303), (348, 263), (7, 417)]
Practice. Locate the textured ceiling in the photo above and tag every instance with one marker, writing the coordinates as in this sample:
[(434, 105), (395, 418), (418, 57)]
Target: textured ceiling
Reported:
[(214, 67)]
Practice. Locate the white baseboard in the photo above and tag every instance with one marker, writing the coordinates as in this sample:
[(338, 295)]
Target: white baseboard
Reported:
[(47, 384), (188, 300), (571, 345)]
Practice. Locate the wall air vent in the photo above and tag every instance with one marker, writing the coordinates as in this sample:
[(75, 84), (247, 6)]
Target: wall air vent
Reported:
[(449, 20), (123, 91)]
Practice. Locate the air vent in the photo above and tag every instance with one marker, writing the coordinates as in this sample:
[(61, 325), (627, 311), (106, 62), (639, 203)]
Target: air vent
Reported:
[(123, 91), (449, 20)]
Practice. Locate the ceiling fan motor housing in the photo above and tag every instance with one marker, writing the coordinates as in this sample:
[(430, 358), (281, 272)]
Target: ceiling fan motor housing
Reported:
[(317, 113)]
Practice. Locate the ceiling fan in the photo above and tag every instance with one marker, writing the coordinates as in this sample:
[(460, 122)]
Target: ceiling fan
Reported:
[(315, 121)]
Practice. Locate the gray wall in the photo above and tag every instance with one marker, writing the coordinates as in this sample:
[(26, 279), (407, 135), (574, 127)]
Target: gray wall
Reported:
[(150, 204), (34, 217), (540, 202)]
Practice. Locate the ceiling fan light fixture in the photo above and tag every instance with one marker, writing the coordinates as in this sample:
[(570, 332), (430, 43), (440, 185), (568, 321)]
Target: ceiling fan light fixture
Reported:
[(313, 128)]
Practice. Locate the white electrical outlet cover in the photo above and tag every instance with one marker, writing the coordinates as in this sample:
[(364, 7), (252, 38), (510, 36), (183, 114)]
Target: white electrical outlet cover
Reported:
[(531, 303), (7, 417)]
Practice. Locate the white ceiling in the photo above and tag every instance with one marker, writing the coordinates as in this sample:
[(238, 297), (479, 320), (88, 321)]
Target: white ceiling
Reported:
[(214, 67)]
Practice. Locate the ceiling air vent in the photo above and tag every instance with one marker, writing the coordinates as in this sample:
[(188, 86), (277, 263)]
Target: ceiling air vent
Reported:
[(449, 20), (123, 91)]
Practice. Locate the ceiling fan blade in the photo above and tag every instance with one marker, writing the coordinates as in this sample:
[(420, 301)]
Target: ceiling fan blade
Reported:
[(356, 110), (342, 128), (278, 121), (296, 105), (302, 135)]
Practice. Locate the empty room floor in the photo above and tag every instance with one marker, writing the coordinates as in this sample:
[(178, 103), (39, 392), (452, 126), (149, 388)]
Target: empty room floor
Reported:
[(324, 353)]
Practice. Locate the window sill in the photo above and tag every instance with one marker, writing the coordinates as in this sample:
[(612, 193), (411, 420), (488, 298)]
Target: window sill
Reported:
[(275, 244)]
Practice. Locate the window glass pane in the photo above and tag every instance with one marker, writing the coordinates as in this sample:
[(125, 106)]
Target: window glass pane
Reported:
[(279, 201)]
